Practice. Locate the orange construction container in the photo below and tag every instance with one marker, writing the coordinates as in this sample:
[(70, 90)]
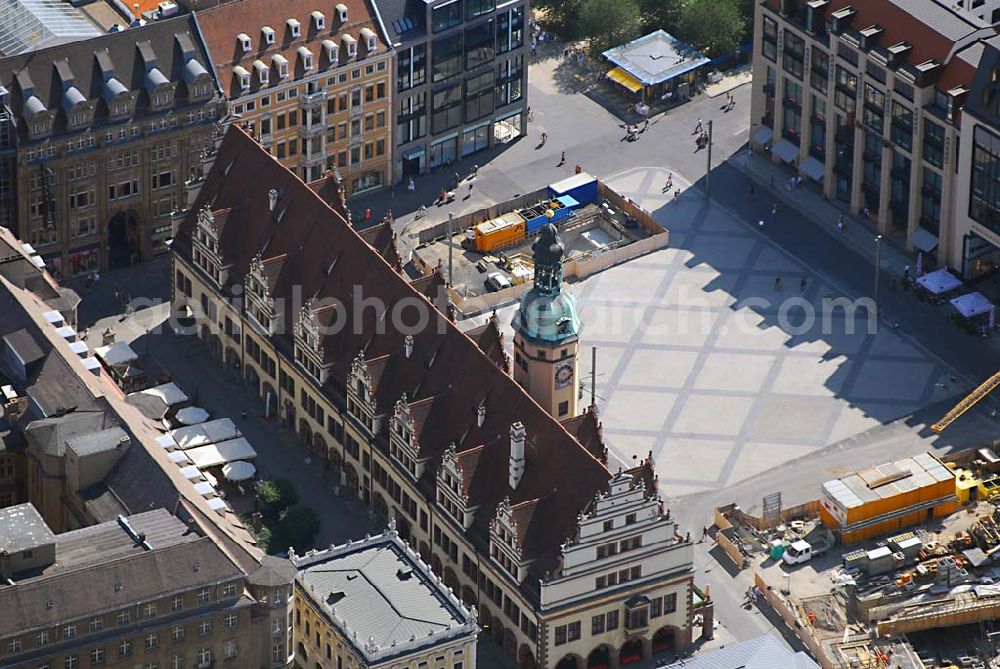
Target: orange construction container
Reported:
[(499, 232), (888, 497)]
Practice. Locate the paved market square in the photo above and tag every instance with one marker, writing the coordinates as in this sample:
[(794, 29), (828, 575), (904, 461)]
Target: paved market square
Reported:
[(693, 365)]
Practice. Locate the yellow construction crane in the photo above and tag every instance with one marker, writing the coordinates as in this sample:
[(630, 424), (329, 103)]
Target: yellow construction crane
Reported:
[(970, 401)]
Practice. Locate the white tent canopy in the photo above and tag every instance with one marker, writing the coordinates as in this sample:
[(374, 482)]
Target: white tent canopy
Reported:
[(191, 416), (939, 281), (972, 304), (238, 471), (212, 432), (214, 455), (116, 354), (168, 393)]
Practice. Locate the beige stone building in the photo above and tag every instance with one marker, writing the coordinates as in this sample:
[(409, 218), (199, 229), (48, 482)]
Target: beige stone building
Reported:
[(865, 101), (569, 561), (97, 138), (313, 81), (143, 590), (375, 603)]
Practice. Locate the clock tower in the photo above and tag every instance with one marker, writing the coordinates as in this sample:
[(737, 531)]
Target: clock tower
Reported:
[(547, 331)]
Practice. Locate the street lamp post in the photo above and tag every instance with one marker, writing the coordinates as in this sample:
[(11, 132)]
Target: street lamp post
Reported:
[(878, 255), (708, 166)]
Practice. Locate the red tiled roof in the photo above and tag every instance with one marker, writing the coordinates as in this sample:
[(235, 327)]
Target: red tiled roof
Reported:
[(221, 25), (446, 376), (490, 341)]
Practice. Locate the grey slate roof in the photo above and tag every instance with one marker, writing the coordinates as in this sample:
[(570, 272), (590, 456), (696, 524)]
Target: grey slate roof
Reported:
[(24, 346), (274, 571), (97, 442), (51, 434), (763, 652), (112, 583), (403, 19), (108, 541), (22, 528), (128, 60), (951, 22), (136, 483), (380, 593)]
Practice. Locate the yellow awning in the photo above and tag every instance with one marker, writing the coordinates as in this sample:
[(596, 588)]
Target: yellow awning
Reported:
[(618, 75)]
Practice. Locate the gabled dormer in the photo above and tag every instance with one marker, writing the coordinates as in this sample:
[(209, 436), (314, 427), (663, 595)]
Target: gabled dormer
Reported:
[(37, 118), (403, 445), (360, 396), (205, 245), (196, 78), (159, 89), (259, 303), (74, 103), (505, 544), (309, 351), (117, 97), (450, 489)]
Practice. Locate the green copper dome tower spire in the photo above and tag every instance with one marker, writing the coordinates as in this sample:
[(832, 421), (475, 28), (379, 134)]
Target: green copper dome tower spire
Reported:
[(546, 331)]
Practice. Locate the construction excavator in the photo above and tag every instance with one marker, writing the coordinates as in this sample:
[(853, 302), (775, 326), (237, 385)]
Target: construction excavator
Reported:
[(970, 401)]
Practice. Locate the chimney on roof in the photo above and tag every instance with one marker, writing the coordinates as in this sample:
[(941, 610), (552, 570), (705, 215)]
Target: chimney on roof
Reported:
[(517, 436), (408, 345), (481, 413), (272, 200)]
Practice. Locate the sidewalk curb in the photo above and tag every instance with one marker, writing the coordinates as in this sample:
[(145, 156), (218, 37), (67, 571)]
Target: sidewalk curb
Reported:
[(862, 249)]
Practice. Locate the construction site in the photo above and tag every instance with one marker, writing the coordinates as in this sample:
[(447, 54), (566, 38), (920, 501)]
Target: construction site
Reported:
[(871, 572), (487, 254)]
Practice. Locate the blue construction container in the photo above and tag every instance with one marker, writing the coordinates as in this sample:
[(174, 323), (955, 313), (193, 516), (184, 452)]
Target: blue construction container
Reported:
[(561, 208), (581, 187)]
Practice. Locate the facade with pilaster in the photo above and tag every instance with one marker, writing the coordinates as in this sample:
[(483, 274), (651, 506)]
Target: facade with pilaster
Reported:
[(865, 101)]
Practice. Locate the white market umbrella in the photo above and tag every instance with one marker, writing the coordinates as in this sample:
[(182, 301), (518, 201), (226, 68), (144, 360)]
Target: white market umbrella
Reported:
[(192, 415), (238, 471)]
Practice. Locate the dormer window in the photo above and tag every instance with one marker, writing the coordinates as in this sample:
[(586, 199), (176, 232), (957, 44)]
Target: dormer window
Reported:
[(262, 71), (244, 42), (342, 13), (243, 77), (280, 63), (319, 20), (267, 35), (332, 53), (352, 46), (369, 37), (294, 28), (305, 55)]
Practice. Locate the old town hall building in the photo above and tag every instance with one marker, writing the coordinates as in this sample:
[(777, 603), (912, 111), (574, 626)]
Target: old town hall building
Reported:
[(569, 562)]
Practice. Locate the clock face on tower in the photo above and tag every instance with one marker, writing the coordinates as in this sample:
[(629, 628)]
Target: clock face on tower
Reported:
[(564, 375)]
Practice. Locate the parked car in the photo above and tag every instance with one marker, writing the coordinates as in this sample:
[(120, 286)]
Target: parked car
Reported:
[(497, 281)]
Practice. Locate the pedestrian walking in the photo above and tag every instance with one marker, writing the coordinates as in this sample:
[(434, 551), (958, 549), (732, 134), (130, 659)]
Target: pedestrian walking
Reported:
[(243, 414), (458, 179), (803, 282), (562, 159), (698, 127), (777, 283), (840, 223), (410, 186), (545, 136), (774, 209), (475, 170)]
